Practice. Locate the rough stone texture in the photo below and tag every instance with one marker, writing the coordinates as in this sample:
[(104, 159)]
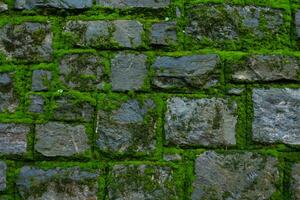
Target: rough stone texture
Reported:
[(71, 109), (3, 168), (123, 130), (13, 138), (37, 104), (82, 71), (267, 68), (128, 71), (142, 182), (228, 22), (70, 183), (8, 98), (3, 7), (41, 80), (297, 23), (63, 4), (31, 41), (276, 115), (296, 182), (163, 33), (155, 4), (186, 71), (60, 139), (235, 176), (207, 122)]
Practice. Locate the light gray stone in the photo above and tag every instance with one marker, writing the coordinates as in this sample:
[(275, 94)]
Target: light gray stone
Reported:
[(235, 176), (163, 33), (60, 139), (185, 71), (154, 4), (297, 23), (63, 4), (13, 138), (36, 104), (8, 97), (276, 115), (296, 182), (128, 71), (3, 7), (41, 80), (205, 122), (3, 168)]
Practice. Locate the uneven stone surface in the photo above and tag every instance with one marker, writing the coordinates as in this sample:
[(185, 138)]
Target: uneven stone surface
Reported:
[(37, 104), (63, 4), (267, 68), (163, 33), (60, 139), (205, 122), (276, 115), (124, 130), (31, 41), (70, 183), (155, 4), (41, 80), (297, 23), (71, 109), (296, 182), (185, 71), (142, 182), (8, 98), (13, 138), (3, 7), (82, 71), (235, 176), (128, 71), (3, 168)]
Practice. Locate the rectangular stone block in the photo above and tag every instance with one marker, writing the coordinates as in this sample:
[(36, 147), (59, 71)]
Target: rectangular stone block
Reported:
[(41, 80), (62, 4), (3, 168), (8, 98), (163, 33), (295, 182), (123, 4)]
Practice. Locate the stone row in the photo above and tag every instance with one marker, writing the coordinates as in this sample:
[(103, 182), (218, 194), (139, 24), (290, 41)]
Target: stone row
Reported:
[(244, 175)]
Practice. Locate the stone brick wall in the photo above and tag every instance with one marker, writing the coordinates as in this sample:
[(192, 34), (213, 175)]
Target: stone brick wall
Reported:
[(150, 99)]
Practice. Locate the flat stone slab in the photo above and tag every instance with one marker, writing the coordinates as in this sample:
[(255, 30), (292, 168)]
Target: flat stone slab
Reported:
[(276, 115), (60, 139), (235, 176), (37, 104), (163, 33), (154, 4), (62, 4), (296, 181), (3, 168), (297, 23), (200, 122), (8, 98), (41, 80)]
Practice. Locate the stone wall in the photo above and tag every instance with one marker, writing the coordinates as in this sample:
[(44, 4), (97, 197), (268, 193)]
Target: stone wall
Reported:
[(150, 99)]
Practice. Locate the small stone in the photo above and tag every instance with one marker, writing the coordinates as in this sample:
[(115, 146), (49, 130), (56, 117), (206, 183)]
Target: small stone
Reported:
[(205, 122), (70, 108), (37, 104), (236, 91), (163, 33), (30, 41), (58, 183), (62, 4), (8, 98), (41, 80), (3, 7), (297, 23), (13, 138), (296, 182), (142, 182), (60, 139), (3, 168), (82, 71), (276, 115), (154, 4), (186, 71), (235, 176), (124, 130), (172, 157), (128, 71), (267, 68)]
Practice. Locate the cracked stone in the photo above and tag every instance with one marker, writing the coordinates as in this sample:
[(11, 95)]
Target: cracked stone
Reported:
[(61, 4), (163, 33), (41, 80)]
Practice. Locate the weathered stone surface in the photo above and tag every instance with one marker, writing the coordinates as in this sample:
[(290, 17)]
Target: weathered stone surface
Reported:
[(60, 139), (155, 4), (186, 71), (296, 182), (82, 71), (3, 168), (163, 33), (267, 68), (235, 176), (31, 41), (142, 182), (36, 104), (8, 98), (172, 157), (297, 23), (124, 129), (13, 138), (3, 7), (207, 122), (70, 183), (63, 4), (128, 71), (220, 22), (41, 80), (72, 109), (276, 115)]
